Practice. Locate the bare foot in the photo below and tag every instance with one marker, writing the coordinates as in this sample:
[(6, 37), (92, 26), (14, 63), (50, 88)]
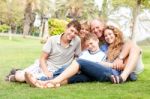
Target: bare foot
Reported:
[(52, 84), (33, 81)]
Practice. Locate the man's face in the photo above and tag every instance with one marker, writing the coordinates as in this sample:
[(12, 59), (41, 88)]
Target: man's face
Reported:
[(71, 32), (97, 28)]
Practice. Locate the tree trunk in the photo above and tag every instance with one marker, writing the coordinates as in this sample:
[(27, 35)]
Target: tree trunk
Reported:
[(135, 14), (44, 34), (28, 19)]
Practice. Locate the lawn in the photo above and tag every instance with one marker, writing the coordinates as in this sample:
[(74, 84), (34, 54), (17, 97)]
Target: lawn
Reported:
[(20, 53)]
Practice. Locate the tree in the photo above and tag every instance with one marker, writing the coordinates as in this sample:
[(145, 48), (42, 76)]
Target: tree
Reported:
[(135, 14), (89, 10), (29, 16), (75, 8)]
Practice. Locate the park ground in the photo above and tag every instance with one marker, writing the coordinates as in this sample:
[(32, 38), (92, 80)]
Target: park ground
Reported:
[(20, 53)]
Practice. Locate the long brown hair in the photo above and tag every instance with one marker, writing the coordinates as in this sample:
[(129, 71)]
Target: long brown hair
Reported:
[(114, 48)]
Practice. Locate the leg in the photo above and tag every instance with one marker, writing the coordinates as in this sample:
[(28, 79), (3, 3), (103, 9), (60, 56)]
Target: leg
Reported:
[(67, 73), (134, 53), (94, 70), (79, 78), (37, 83), (19, 76)]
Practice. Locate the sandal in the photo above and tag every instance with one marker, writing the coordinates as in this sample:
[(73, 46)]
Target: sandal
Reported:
[(116, 79), (10, 78), (32, 81)]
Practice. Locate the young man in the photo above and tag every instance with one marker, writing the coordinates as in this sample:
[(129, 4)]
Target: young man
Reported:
[(57, 54)]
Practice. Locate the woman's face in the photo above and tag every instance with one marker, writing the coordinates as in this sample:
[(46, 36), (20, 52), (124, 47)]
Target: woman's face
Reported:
[(84, 30), (109, 36)]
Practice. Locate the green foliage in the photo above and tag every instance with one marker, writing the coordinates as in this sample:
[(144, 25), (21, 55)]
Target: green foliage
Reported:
[(130, 3), (4, 28), (145, 3), (56, 26)]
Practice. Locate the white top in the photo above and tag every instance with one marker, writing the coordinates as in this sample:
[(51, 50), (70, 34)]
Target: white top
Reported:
[(139, 67), (94, 57)]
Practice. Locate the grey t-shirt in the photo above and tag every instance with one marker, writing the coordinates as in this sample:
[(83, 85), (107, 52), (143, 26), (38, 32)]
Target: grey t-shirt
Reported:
[(58, 55)]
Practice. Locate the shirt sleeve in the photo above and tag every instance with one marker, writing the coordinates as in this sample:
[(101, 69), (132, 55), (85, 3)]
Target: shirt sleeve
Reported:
[(78, 48), (47, 46), (104, 47)]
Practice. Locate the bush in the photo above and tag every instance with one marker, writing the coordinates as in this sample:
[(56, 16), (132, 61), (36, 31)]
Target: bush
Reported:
[(56, 26), (4, 28)]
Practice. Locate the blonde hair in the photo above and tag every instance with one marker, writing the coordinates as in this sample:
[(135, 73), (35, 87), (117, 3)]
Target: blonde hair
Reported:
[(85, 24), (90, 36), (114, 48)]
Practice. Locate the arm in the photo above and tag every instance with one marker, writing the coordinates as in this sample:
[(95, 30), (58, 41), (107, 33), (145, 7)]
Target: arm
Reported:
[(111, 65), (118, 63), (43, 64)]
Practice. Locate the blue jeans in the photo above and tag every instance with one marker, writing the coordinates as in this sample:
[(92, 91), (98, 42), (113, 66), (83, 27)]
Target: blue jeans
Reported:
[(79, 78), (95, 71), (55, 74)]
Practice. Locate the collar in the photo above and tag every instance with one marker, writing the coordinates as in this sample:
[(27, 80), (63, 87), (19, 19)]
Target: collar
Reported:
[(59, 38), (94, 52)]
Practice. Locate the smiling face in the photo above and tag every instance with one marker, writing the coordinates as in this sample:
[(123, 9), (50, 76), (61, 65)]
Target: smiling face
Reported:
[(109, 36), (92, 45), (84, 30), (70, 33), (91, 42), (97, 27)]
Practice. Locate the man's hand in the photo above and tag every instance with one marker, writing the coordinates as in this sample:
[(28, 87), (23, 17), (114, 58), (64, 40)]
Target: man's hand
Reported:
[(118, 64), (49, 74)]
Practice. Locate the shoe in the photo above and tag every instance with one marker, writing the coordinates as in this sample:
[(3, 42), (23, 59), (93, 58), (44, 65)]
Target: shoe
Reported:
[(132, 77)]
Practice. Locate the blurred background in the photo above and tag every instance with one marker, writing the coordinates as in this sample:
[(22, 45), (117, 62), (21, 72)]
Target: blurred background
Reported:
[(41, 18)]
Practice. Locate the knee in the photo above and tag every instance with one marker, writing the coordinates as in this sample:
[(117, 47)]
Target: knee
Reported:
[(19, 76), (135, 49)]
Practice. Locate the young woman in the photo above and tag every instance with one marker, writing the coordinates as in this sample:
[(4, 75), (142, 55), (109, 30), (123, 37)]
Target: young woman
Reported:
[(85, 29), (98, 71)]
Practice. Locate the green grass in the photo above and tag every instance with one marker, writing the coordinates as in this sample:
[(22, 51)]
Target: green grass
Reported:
[(20, 53)]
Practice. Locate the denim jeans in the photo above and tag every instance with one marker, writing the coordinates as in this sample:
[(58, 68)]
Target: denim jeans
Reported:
[(55, 74), (95, 71), (79, 78)]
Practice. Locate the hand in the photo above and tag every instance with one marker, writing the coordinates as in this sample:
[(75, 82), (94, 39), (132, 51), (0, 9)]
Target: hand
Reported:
[(49, 74), (118, 64)]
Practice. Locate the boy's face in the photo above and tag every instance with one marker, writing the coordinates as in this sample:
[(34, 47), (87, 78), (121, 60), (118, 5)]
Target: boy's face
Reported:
[(71, 32), (92, 44)]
